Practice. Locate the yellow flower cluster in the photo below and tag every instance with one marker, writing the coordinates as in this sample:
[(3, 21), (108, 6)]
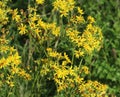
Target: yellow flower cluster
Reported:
[(93, 89), (10, 62), (64, 6), (22, 29), (78, 19), (34, 25), (15, 16), (53, 54), (85, 69), (88, 40), (3, 13), (93, 38), (90, 19), (68, 77)]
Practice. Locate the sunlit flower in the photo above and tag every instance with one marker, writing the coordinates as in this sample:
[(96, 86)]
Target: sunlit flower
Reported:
[(80, 19), (39, 1), (10, 83), (78, 53), (90, 19), (15, 15), (64, 6), (80, 11), (22, 29), (85, 69)]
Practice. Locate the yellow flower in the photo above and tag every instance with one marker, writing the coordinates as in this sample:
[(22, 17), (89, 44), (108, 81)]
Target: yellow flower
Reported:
[(91, 88), (80, 11), (22, 29), (78, 53), (4, 49), (73, 34), (16, 60), (32, 25), (44, 70), (14, 70), (61, 73), (60, 88), (39, 1), (3, 13), (79, 80), (15, 15), (85, 69), (41, 24), (10, 83), (56, 31), (80, 19), (22, 73), (53, 54), (33, 17), (64, 63), (67, 58), (64, 6), (27, 76), (90, 19), (49, 49), (3, 63)]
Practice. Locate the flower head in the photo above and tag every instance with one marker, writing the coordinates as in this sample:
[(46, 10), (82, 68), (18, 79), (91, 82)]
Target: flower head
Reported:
[(22, 29)]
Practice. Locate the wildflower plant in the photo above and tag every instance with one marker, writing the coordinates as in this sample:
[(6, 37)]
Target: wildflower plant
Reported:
[(54, 48), (10, 68)]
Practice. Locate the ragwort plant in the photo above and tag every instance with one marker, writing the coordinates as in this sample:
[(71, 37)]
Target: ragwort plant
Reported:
[(54, 47)]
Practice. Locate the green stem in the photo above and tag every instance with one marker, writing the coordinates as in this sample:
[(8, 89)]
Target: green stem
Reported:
[(35, 80), (73, 56), (80, 62)]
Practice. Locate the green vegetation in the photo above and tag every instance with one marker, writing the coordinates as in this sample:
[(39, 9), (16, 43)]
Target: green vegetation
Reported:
[(59, 48)]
